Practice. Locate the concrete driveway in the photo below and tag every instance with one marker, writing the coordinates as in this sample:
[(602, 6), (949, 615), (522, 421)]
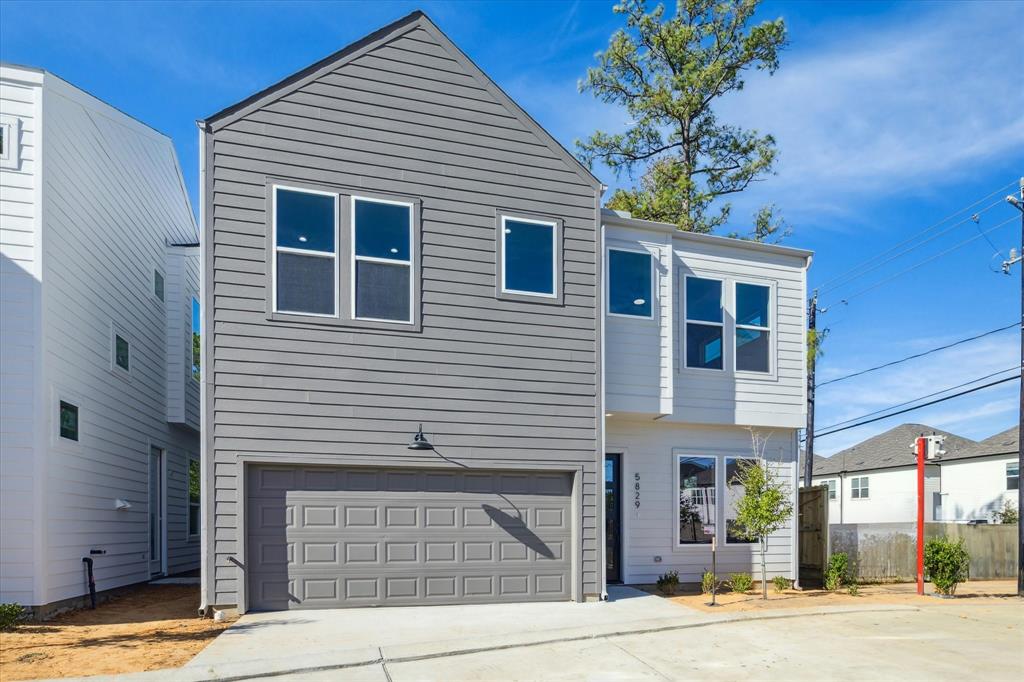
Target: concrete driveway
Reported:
[(424, 630)]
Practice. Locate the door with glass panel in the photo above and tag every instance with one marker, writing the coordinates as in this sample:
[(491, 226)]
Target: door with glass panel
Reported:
[(156, 510)]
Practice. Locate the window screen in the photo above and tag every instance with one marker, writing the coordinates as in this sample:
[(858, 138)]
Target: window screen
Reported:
[(305, 252), (382, 274)]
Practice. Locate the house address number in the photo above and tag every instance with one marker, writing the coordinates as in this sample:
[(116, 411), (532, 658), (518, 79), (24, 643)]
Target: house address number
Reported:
[(636, 493)]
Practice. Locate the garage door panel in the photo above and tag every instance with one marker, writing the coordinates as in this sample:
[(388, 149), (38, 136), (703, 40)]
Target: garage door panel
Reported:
[(350, 537)]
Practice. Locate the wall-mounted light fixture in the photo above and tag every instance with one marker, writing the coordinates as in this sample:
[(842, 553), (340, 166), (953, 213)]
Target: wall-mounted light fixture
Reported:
[(420, 442)]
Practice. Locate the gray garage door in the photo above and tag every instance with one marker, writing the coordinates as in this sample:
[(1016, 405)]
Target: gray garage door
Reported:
[(328, 537)]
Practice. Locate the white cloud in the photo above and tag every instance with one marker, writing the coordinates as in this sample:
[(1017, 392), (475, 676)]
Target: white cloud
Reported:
[(925, 100)]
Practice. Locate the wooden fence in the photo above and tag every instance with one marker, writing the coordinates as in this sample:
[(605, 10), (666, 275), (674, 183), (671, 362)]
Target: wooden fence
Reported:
[(888, 551)]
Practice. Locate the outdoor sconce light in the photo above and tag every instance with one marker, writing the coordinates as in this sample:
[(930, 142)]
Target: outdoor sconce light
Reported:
[(420, 442)]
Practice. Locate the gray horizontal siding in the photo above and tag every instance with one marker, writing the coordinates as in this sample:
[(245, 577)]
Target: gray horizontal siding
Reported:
[(492, 381)]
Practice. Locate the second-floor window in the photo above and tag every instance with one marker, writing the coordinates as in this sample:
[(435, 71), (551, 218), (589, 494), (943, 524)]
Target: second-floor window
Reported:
[(831, 483), (629, 283), (859, 488), (122, 352), (529, 257), (753, 328), (1012, 475), (704, 323), (382, 260), (305, 252), (68, 420)]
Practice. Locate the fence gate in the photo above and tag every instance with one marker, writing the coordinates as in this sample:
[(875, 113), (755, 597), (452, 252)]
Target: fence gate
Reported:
[(813, 523)]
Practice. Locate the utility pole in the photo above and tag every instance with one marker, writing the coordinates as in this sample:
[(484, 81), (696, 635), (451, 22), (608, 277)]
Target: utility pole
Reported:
[(812, 360), (1016, 258)]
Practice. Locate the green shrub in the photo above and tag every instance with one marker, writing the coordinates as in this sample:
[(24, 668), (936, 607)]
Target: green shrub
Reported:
[(741, 582), (853, 589), (10, 616), (781, 583), (837, 571), (1008, 514), (707, 582), (946, 563), (668, 582)]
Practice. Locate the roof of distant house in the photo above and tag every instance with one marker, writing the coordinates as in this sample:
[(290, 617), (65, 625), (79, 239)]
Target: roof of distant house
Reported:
[(893, 448), (1003, 443)]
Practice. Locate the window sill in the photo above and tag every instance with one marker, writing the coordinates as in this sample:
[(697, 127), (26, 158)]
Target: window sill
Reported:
[(295, 318), (543, 299)]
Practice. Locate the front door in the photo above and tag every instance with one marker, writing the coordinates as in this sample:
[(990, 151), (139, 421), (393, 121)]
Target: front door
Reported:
[(156, 510), (613, 517)]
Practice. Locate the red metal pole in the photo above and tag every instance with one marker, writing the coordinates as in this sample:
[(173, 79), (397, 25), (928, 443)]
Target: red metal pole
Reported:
[(921, 445)]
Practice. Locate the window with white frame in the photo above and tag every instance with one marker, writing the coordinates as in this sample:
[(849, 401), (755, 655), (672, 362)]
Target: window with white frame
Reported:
[(629, 283), (831, 485), (68, 420), (1013, 475), (382, 254), (753, 327), (529, 257), (194, 490), (704, 323), (697, 499), (305, 252), (859, 488), (10, 142), (734, 493), (158, 285), (122, 352)]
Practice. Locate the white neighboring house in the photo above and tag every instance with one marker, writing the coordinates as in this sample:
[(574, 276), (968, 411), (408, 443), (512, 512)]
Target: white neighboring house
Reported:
[(876, 481), (98, 404), (704, 344)]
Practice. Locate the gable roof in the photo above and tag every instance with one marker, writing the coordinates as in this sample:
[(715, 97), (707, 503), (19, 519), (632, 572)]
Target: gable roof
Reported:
[(1003, 443), (410, 22), (892, 448)]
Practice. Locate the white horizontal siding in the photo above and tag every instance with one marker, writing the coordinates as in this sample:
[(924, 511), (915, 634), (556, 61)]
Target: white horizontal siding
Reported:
[(20, 361), (649, 449), (113, 200)]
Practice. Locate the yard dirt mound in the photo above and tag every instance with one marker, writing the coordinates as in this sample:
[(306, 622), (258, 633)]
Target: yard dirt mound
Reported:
[(147, 628)]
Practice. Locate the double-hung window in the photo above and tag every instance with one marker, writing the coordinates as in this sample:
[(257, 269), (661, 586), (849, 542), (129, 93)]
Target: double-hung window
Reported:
[(305, 252), (697, 500), (382, 258), (529, 257), (831, 484), (704, 323), (1012, 475), (753, 328), (629, 283), (859, 488)]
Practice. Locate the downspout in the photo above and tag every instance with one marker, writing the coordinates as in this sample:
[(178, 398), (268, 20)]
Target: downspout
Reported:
[(602, 420), (204, 454)]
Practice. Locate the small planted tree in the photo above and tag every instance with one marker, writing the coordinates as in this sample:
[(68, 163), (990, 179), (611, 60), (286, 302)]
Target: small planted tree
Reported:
[(766, 504)]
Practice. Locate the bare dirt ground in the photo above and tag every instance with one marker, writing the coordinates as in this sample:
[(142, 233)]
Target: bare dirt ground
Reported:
[(150, 627), (974, 592)]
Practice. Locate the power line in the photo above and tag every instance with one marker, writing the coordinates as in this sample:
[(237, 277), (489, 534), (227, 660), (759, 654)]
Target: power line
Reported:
[(922, 397), (956, 246), (918, 407), (910, 248), (917, 355), (916, 236)]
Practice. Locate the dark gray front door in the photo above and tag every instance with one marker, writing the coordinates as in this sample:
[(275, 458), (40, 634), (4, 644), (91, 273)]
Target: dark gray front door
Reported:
[(328, 537)]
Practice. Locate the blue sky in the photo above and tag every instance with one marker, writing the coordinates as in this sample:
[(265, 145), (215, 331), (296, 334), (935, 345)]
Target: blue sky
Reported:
[(889, 118)]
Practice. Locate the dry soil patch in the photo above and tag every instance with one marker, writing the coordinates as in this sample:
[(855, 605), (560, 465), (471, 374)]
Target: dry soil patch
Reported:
[(150, 627)]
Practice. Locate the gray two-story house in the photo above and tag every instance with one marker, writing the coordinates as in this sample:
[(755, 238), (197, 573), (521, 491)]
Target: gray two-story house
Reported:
[(389, 241), (437, 372)]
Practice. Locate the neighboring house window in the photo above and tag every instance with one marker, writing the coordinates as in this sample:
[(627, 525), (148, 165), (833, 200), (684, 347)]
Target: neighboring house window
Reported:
[(629, 283), (859, 488), (831, 483), (305, 254), (753, 328), (68, 420), (1013, 475), (197, 338), (382, 260), (158, 285), (122, 352), (734, 493), (529, 254), (194, 489), (697, 510), (10, 143), (704, 323)]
